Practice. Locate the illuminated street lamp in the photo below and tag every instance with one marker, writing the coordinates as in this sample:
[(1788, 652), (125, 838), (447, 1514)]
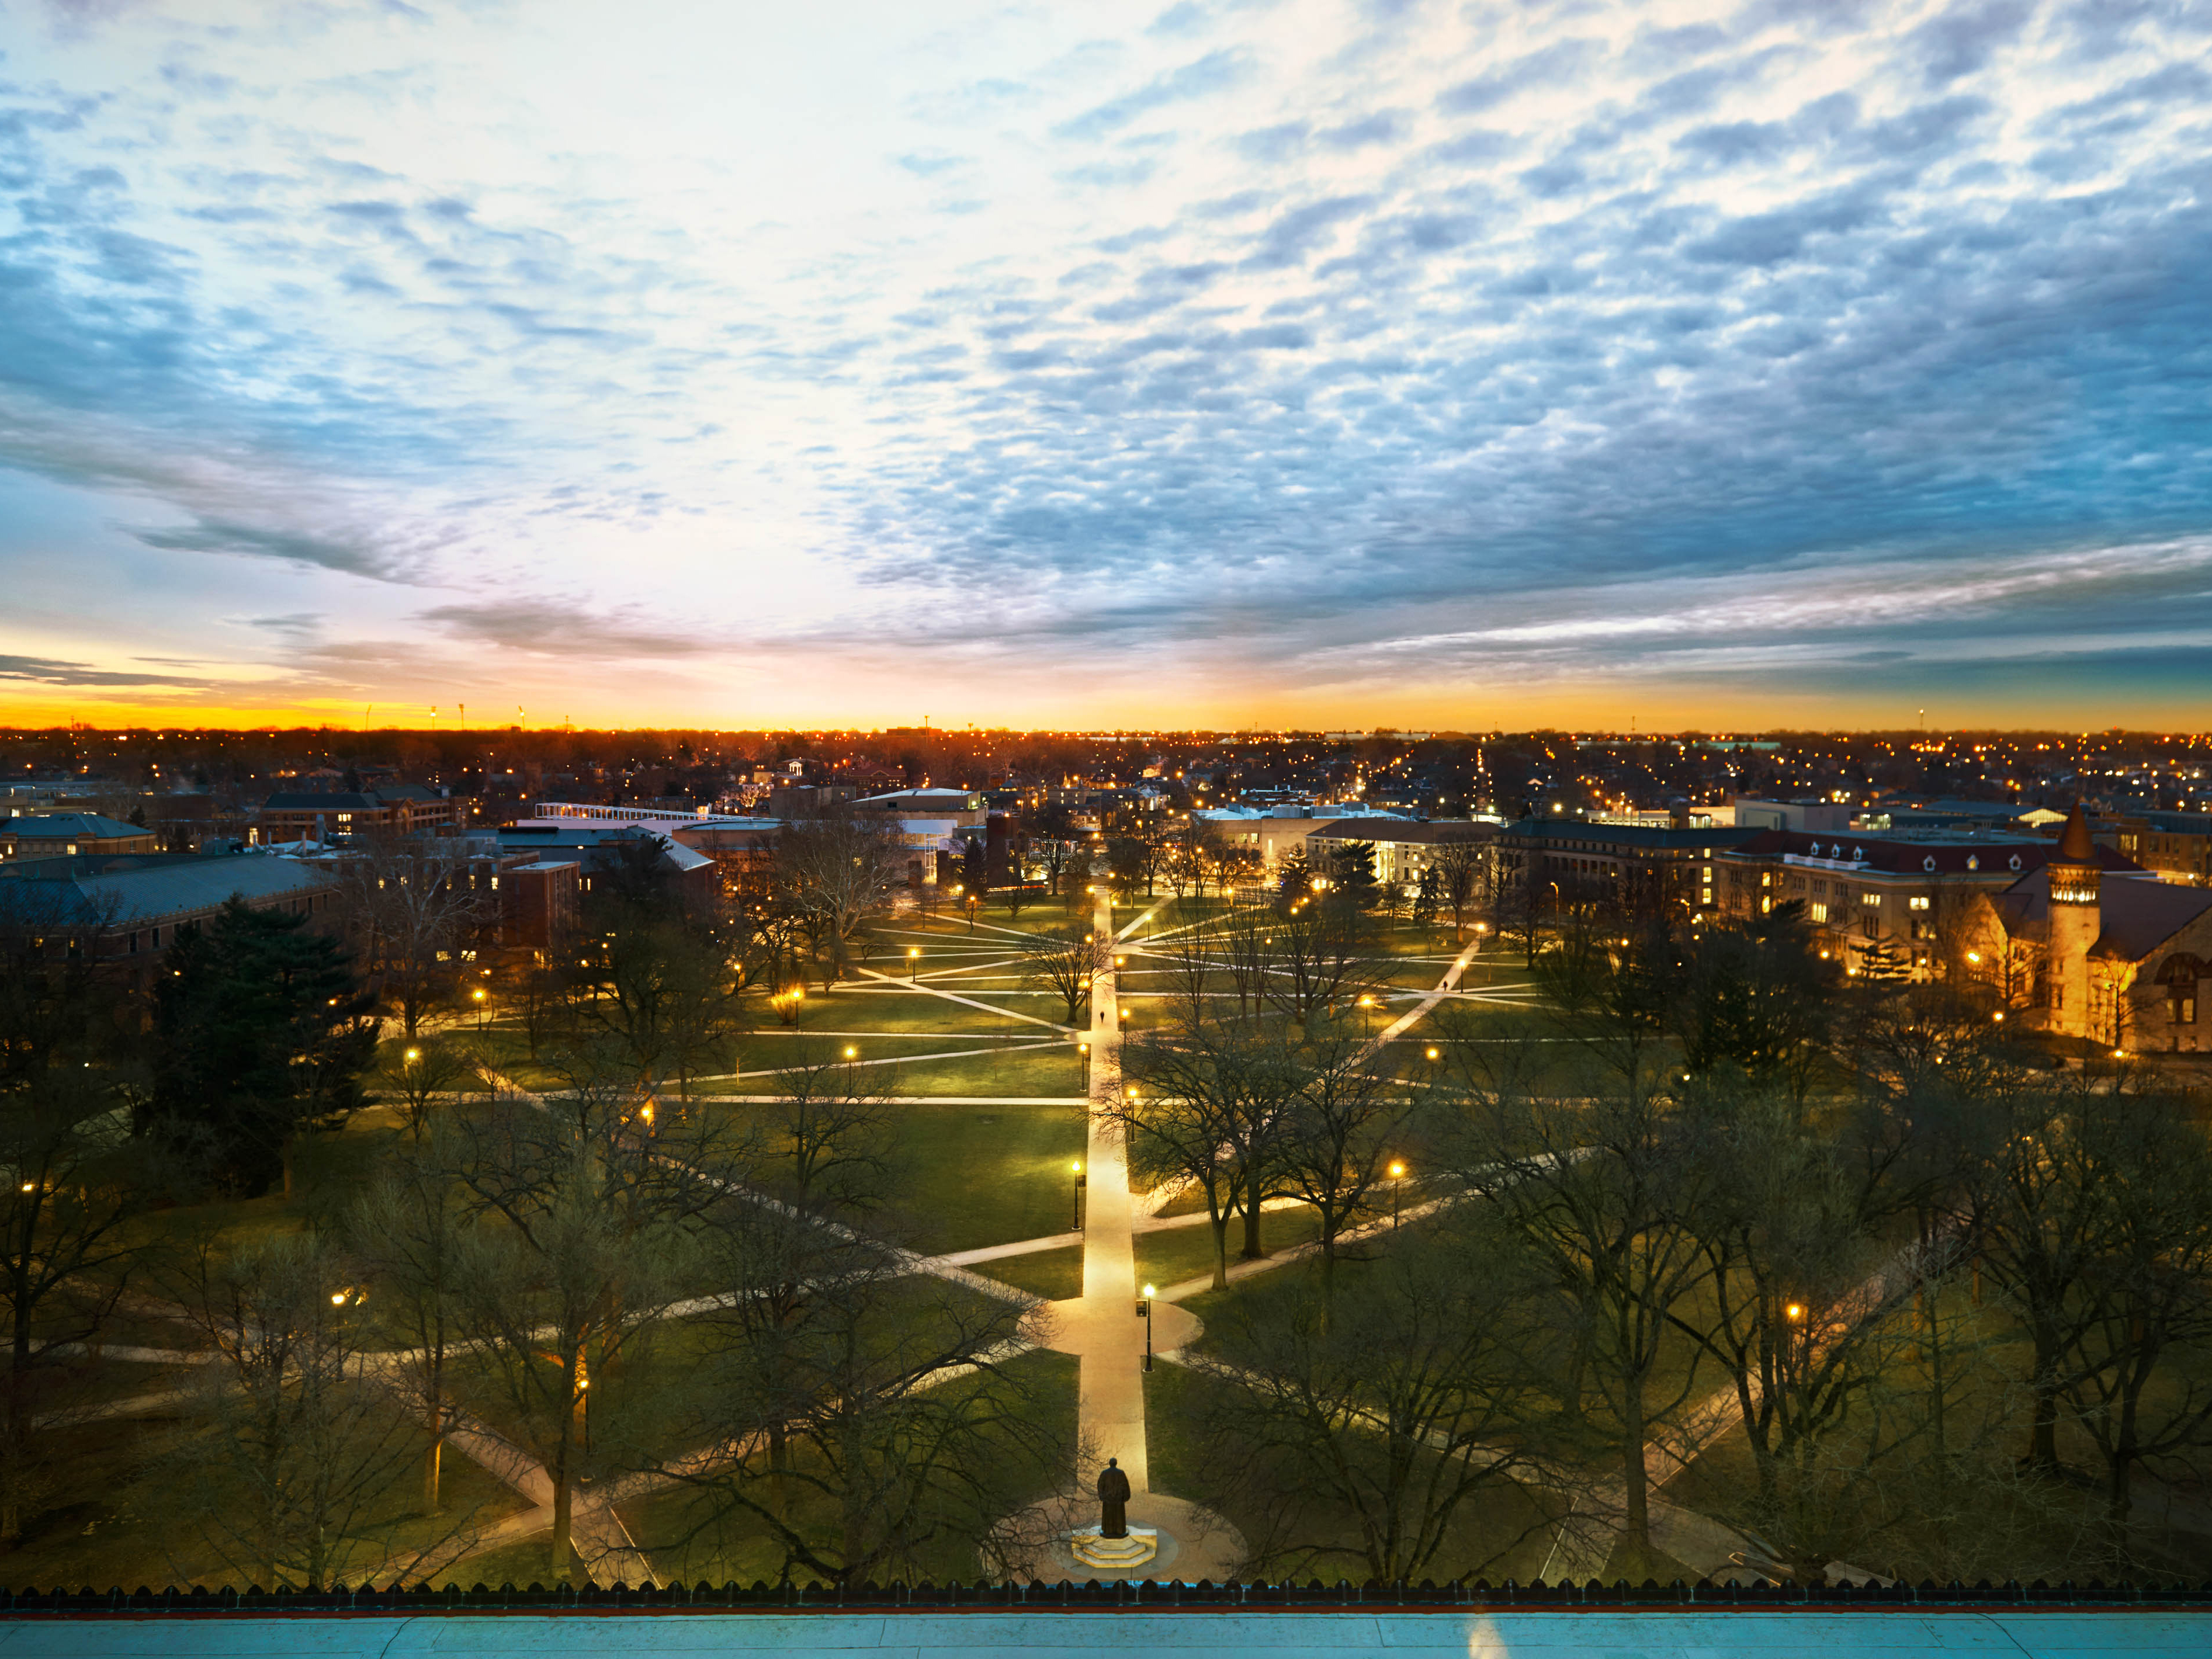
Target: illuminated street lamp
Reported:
[(1145, 1308), (1081, 1181), (1397, 1188), (1082, 1046), (914, 964), (479, 994)]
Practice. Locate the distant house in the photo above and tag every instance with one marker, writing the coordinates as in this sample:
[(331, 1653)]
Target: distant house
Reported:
[(65, 835)]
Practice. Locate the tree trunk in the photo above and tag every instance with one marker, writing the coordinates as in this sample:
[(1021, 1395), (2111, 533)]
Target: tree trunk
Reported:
[(558, 1556), (1636, 1532), (1252, 1251), (1221, 1252), (2043, 1433)]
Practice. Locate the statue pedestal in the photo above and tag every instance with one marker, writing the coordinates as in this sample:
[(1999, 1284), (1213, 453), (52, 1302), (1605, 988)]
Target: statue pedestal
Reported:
[(1114, 1554)]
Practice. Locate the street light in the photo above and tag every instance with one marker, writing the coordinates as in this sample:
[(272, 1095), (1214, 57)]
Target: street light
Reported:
[(914, 964), (1081, 1181), (1397, 1188), (479, 994), (1144, 1307), (1084, 1047)]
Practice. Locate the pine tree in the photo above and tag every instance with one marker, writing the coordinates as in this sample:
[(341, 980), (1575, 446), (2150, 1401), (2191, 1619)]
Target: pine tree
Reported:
[(260, 1031)]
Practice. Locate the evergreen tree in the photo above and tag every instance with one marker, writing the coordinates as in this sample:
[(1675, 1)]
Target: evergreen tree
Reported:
[(260, 1031)]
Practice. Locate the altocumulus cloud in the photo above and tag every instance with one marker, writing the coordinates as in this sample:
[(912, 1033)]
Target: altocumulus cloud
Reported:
[(1407, 346)]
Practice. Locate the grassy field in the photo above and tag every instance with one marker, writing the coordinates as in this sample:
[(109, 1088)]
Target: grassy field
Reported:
[(1055, 1275)]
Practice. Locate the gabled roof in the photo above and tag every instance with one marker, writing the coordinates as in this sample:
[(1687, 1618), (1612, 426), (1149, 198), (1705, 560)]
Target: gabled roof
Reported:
[(2137, 916), (2140, 916)]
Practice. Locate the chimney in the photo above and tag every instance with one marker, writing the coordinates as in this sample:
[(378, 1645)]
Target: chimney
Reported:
[(1678, 813)]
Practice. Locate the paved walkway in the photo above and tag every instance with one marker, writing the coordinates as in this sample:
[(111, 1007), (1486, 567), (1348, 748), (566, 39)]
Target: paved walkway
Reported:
[(1101, 1326)]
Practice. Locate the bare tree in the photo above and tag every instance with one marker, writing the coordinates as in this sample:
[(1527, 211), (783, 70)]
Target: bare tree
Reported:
[(1320, 958), (1209, 1103), (293, 1479), (1346, 1118), (589, 1217), (1602, 1190), (1387, 1418), (412, 908), (834, 872), (73, 1176), (861, 1426), (424, 1075), (1066, 962), (407, 1231)]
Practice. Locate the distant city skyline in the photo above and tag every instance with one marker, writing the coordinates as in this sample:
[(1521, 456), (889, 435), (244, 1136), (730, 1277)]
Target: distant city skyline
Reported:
[(1795, 363)]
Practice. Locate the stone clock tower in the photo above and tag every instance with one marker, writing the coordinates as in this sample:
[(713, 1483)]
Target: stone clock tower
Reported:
[(2076, 922)]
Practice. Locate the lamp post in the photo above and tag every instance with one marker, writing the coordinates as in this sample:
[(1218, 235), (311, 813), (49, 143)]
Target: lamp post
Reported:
[(1397, 1188), (1144, 1307), (479, 994), (1082, 1045), (1081, 1180), (914, 964)]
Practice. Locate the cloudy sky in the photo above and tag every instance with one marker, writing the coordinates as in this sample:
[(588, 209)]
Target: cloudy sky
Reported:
[(1344, 361)]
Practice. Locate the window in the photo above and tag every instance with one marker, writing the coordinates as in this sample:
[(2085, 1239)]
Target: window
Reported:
[(1818, 910), (1873, 901), (1919, 902), (2183, 1010)]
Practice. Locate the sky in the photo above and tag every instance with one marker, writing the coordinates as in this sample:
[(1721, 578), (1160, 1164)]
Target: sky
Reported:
[(1329, 363)]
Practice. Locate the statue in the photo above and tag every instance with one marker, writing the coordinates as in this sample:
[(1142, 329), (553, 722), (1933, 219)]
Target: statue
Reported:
[(1113, 1501)]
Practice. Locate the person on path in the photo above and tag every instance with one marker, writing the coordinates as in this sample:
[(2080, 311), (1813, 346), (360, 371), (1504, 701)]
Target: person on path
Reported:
[(1113, 1501)]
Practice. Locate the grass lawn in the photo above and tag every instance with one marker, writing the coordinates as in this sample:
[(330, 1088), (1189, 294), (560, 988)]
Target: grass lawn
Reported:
[(987, 1175), (1055, 1275), (686, 1539), (887, 1009), (111, 1516), (1168, 1258), (1501, 1532)]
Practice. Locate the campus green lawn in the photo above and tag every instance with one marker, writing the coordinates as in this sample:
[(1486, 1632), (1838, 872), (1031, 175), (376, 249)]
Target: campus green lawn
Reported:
[(1055, 1275), (987, 1175), (686, 1541), (109, 1514)]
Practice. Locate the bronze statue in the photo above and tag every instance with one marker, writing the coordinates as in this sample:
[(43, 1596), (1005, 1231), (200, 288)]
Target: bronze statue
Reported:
[(1113, 1501)]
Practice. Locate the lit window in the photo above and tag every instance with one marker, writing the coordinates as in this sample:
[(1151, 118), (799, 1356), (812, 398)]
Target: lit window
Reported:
[(1918, 903), (1817, 910), (1872, 899)]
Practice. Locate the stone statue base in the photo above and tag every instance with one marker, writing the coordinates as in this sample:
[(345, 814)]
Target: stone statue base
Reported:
[(1114, 1554)]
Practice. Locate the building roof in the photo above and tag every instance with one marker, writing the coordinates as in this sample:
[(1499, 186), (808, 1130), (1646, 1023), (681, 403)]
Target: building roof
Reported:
[(1655, 837), (2140, 916), (139, 890), (1958, 853), (301, 800), (67, 826), (2074, 843), (1401, 833)]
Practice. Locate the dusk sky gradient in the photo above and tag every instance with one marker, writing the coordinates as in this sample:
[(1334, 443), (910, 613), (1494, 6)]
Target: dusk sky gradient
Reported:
[(1794, 362)]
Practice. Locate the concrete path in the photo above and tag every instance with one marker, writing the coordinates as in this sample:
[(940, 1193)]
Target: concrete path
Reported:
[(1102, 1327)]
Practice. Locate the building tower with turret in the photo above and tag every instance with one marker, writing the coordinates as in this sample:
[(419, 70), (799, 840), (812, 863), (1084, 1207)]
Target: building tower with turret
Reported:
[(2076, 923)]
